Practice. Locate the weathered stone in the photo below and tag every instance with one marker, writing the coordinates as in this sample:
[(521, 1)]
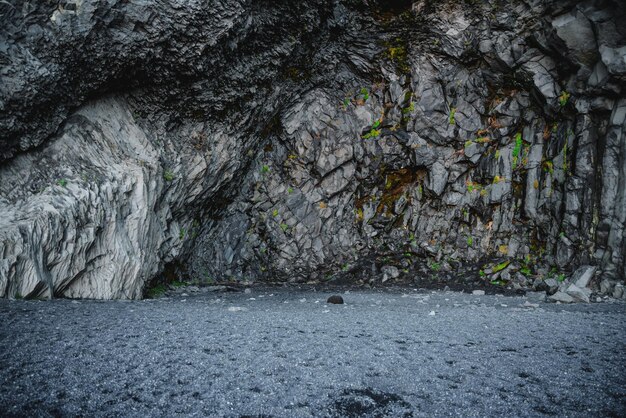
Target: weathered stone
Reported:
[(599, 76), (613, 59), (539, 285), (437, 178), (552, 285), (606, 286), (583, 275), (561, 297), (581, 295), (576, 30), (293, 141), (390, 272)]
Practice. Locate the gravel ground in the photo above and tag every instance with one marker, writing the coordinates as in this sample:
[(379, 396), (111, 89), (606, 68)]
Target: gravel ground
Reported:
[(286, 353)]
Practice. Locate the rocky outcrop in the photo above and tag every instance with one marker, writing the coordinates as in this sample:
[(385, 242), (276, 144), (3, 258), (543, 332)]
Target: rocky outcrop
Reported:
[(344, 140), (92, 214)]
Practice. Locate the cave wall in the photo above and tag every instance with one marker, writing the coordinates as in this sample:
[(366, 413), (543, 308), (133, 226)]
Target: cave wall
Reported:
[(483, 138), (351, 141)]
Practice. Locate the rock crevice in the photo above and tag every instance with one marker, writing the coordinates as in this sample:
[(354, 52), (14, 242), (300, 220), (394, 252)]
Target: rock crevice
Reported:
[(320, 141)]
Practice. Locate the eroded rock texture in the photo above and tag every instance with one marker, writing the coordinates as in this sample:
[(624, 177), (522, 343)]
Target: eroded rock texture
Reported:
[(314, 140)]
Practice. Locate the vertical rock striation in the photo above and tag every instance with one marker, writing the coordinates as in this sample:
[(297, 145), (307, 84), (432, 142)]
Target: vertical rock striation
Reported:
[(349, 140)]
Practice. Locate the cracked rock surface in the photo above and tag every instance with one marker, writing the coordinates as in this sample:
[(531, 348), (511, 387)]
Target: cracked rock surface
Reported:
[(351, 140)]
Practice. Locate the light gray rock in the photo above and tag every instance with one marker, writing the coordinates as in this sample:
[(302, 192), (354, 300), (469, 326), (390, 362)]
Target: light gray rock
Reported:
[(390, 272), (579, 294), (583, 275), (614, 59), (599, 76), (606, 286), (437, 178), (102, 217), (543, 70), (561, 297)]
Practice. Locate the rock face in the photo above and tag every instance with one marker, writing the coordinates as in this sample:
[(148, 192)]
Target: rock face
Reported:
[(316, 140)]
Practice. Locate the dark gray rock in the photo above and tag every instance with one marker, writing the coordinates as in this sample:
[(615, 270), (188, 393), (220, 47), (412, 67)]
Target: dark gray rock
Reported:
[(335, 300), (575, 29), (308, 141), (552, 285)]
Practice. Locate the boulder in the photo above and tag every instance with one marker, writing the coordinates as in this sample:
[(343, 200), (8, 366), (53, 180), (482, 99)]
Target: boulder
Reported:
[(561, 297), (583, 275), (552, 285), (390, 272), (579, 294)]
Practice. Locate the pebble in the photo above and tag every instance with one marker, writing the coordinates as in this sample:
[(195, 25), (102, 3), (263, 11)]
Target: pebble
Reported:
[(478, 292), (335, 299)]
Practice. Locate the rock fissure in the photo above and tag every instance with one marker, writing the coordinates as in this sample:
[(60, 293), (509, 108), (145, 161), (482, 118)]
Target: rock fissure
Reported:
[(347, 140)]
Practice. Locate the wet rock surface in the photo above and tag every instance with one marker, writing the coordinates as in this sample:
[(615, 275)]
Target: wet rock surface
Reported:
[(346, 141), (285, 352)]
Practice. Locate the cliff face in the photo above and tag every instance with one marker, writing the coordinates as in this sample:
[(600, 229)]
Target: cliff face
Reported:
[(315, 140)]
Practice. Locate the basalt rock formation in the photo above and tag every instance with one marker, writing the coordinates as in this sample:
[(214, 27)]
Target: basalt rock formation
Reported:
[(353, 140)]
